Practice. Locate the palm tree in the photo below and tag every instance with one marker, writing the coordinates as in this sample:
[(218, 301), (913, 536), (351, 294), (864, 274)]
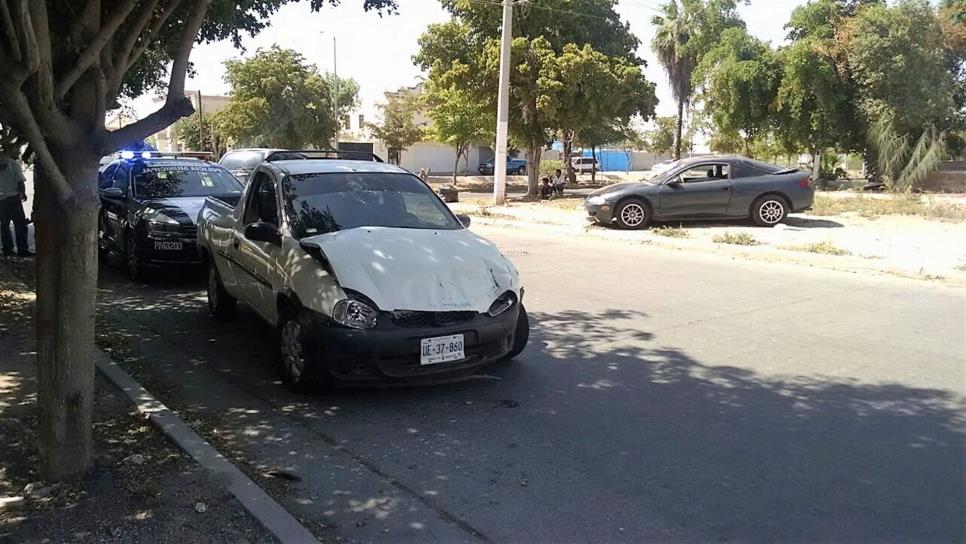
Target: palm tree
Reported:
[(676, 27)]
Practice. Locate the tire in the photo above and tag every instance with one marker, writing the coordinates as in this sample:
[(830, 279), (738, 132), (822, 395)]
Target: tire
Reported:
[(769, 210), (296, 363), (221, 304), (522, 170), (521, 335), (132, 261), (633, 214)]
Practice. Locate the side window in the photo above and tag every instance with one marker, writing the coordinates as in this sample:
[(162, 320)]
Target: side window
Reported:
[(262, 205), (122, 177), (704, 172)]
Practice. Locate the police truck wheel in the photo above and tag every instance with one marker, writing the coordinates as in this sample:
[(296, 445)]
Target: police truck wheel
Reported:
[(221, 305)]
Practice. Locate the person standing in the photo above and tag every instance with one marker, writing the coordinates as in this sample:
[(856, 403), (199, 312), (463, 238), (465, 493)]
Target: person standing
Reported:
[(13, 193), (559, 182)]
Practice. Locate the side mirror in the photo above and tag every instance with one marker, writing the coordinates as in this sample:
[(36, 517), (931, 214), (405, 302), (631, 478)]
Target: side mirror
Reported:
[(263, 232), (676, 182), (112, 192), (465, 219)]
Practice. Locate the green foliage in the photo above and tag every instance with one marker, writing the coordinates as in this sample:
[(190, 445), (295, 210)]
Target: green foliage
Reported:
[(661, 138), (671, 232), (739, 79), (277, 100), (903, 160), (197, 133), (735, 238), (347, 93), (549, 167), (398, 129), (824, 248), (459, 121), (897, 58)]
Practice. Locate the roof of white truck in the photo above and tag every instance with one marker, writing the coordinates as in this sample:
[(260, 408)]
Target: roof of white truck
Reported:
[(332, 166)]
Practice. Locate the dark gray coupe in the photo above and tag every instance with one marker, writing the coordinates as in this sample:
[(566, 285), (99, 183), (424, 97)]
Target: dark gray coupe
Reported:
[(707, 187)]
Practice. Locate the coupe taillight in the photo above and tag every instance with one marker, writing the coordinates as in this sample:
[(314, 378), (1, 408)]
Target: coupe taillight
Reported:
[(805, 183)]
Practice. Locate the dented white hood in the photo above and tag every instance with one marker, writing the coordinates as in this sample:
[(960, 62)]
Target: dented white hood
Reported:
[(419, 269)]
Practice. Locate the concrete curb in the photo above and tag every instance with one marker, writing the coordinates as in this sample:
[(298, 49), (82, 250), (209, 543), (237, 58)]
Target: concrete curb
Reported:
[(269, 513)]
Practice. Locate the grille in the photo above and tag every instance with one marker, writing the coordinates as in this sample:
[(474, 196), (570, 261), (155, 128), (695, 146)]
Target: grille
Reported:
[(430, 319)]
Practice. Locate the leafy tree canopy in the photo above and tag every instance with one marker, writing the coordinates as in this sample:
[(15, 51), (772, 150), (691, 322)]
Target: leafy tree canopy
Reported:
[(661, 138), (399, 128), (277, 100)]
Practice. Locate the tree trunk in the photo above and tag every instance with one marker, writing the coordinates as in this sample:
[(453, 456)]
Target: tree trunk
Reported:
[(593, 164), (534, 152), (816, 165), (568, 149), (456, 165), (677, 140), (66, 299)]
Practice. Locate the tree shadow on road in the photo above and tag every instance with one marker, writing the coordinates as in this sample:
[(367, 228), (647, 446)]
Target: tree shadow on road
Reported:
[(596, 406)]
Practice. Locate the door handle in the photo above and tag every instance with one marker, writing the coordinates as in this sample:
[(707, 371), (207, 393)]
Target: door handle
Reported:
[(726, 188)]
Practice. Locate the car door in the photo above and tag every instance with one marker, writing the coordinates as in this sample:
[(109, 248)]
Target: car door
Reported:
[(115, 205), (252, 258), (702, 190)]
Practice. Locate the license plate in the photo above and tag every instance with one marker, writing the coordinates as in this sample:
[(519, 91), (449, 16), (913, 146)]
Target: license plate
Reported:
[(168, 246), (441, 349)]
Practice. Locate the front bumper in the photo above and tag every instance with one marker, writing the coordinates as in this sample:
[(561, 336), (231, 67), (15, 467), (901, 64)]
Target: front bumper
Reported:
[(601, 213), (389, 353), (168, 249)]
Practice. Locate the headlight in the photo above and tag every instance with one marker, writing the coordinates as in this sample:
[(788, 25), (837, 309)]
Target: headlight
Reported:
[(502, 303), (354, 314), (158, 221), (596, 200)]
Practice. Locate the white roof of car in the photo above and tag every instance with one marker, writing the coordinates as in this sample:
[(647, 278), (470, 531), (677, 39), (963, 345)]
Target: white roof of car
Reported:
[(332, 166)]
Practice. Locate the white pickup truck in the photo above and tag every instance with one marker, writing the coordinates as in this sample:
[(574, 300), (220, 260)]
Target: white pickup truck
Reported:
[(364, 272)]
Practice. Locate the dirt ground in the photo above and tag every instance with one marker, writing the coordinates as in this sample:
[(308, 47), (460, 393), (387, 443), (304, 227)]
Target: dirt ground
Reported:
[(921, 246), (143, 490)]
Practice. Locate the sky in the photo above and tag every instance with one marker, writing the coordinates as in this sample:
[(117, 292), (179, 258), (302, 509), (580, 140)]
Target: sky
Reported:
[(377, 52)]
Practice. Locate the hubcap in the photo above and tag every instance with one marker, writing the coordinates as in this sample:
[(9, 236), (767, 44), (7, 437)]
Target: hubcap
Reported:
[(633, 215), (771, 211), (291, 345)]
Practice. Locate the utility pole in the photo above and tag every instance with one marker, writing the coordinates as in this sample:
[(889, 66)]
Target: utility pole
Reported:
[(201, 123), (335, 92), (503, 107)]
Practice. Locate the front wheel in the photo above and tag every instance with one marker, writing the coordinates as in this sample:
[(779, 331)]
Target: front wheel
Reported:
[(296, 361), (221, 304), (769, 210), (632, 214), (132, 261), (521, 335)]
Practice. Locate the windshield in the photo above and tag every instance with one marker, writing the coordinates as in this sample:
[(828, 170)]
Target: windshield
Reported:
[(321, 203), (658, 170), (237, 160), (178, 181)]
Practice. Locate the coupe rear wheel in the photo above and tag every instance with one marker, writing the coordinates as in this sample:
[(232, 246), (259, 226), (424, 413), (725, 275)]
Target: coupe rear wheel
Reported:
[(769, 210), (220, 303), (632, 214)]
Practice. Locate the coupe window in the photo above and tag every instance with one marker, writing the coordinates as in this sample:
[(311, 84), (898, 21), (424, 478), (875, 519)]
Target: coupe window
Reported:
[(704, 172), (239, 160), (321, 203), (172, 181)]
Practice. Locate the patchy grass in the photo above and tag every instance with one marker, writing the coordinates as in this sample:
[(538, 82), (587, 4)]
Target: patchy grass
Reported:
[(824, 248), (736, 238), (867, 206), (671, 232)]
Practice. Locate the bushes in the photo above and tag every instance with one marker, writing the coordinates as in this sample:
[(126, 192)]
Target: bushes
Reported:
[(548, 167)]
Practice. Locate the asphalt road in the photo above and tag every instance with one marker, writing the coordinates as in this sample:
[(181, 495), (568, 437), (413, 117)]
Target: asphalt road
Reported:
[(665, 395)]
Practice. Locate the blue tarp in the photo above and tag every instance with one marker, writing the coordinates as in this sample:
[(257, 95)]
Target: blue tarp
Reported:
[(611, 160)]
